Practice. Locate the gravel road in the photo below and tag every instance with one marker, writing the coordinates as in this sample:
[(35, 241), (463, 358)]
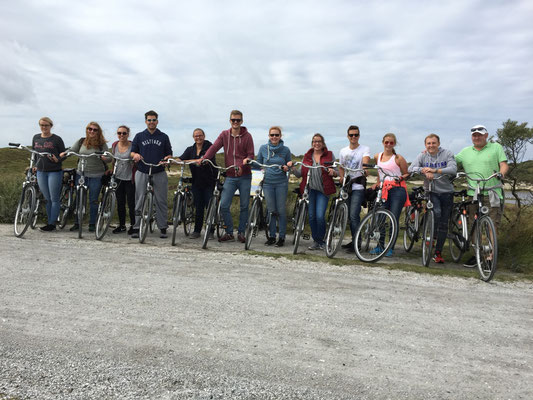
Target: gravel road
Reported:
[(83, 319)]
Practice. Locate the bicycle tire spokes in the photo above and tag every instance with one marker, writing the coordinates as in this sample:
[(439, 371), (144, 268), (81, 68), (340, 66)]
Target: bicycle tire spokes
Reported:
[(375, 235), (486, 248)]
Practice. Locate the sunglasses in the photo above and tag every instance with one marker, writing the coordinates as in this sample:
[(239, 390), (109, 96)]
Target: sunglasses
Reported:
[(274, 135), (151, 119), (387, 142), (235, 120), (122, 133), (480, 130), (44, 125), (92, 129), (353, 134)]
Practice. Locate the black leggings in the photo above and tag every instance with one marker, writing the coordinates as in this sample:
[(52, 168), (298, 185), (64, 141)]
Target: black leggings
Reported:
[(125, 191)]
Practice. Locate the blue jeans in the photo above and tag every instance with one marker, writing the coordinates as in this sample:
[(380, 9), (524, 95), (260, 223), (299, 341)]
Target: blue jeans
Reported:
[(201, 195), (243, 183), (395, 201), (318, 203), (276, 199), (356, 199), (94, 185), (442, 206), (50, 186)]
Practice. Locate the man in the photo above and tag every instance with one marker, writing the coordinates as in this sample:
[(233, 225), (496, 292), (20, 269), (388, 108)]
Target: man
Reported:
[(238, 149), (151, 145), (353, 156), (485, 158)]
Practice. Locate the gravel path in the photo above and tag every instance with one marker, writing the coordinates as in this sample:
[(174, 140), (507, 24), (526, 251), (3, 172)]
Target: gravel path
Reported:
[(85, 319)]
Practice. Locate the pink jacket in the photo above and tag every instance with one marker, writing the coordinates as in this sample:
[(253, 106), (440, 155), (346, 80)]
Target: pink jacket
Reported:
[(236, 149)]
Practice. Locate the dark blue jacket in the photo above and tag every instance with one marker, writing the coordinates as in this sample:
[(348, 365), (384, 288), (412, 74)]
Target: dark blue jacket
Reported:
[(203, 175), (152, 147)]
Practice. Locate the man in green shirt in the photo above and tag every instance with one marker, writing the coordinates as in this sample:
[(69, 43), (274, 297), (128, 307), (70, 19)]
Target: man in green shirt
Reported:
[(484, 158)]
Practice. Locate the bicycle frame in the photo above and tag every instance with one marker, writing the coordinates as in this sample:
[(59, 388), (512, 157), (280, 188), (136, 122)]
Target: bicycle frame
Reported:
[(179, 201)]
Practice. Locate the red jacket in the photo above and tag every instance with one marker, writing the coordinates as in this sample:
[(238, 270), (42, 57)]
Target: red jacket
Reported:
[(326, 159)]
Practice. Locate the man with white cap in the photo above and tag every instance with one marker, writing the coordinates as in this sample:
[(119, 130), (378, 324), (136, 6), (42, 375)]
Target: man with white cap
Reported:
[(484, 158)]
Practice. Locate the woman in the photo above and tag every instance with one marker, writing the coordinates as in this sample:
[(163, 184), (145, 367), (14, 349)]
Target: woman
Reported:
[(94, 169), (49, 172), (203, 178), (394, 189), (321, 186), (276, 184), (434, 162), (124, 176)]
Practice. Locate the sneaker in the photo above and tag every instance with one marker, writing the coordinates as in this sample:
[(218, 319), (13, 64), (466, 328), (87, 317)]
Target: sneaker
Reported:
[(163, 234), (270, 241), (377, 250), (389, 253), (280, 242), (349, 249), (348, 246), (227, 237), (314, 246), (241, 238), (438, 258), (135, 233), (74, 227), (322, 246), (471, 263), (119, 229), (131, 230), (194, 235), (48, 228)]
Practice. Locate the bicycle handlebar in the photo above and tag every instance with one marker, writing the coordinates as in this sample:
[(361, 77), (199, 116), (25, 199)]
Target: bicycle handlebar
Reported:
[(338, 164), (370, 166), (73, 153), (22, 147), (108, 154), (160, 164), (469, 176), (264, 165), (171, 160), (311, 166), (206, 160)]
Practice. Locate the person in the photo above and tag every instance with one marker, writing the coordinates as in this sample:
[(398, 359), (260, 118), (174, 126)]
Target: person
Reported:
[(484, 158), (238, 149), (354, 156), (153, 146), (394, 189), (203, 177), (125, 180), (321, 186), (276, 183), (95, 168), (435, 162), (49, 172)]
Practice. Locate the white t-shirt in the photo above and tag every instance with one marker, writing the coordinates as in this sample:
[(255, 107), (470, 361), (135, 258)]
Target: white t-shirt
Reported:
[(354, 159)]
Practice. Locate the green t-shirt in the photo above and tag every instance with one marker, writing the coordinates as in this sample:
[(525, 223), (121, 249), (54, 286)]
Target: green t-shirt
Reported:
[(484, 161)]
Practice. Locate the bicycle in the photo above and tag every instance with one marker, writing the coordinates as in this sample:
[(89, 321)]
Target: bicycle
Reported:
[(258, 218), (413, 218), (213, 216), (303, 208), (148, 220), (28, 206), (81, 187), (67, 197), (339, 215), (106, 208), (482, 235), (183, 210), (378, 230)]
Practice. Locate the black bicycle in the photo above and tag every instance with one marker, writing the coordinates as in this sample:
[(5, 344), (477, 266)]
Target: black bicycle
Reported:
[(67, 197), (183, 210), (28, 205), (148, 219)]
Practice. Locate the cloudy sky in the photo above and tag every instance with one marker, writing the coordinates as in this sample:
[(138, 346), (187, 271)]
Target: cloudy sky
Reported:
[(408, 67)]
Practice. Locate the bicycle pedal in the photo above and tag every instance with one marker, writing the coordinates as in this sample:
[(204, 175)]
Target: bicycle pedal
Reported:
[(306, 236)]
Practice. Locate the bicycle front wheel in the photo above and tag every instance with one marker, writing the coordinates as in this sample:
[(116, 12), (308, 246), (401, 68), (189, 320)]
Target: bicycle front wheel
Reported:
[(486, 248), (80, 199), (67, 197), (105, 213), (251, 225), (35, 210), (24, 213), (209, 220), (375, 235), (146, 215), (300, 224), (336, 230), (188, 213), (427, 238), (411, 222), (458, 232), (176, 216)]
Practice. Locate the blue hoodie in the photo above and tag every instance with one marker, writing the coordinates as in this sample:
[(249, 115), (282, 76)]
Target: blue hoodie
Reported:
[(269, 155), (152, 147)]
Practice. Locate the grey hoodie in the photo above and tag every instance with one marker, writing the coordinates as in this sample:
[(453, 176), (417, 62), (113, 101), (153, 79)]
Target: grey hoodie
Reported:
[(443, 160)]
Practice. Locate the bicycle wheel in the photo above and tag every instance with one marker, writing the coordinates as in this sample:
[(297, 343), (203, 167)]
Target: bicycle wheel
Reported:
[(24, 213), (153, 220), (486, 248), (35, 210), (80, 207), (252, 223), (336, 230), (146, 215), (295, 216), (66, 199), (209, 220), (221, 228), (458, 232), (410, 232), (375, 235), (176, 216), (300, 224), (427, 237), (265, 219), (106, 210), (188, 213)]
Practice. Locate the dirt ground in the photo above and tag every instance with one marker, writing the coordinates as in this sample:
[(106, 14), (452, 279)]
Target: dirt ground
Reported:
[(86, 319)]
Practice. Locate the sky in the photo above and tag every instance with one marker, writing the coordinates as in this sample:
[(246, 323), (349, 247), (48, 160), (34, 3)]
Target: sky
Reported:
[(407, 67)]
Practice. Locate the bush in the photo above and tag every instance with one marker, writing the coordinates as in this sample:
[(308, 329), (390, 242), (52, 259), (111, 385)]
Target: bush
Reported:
[(515, 241), (10, 188)]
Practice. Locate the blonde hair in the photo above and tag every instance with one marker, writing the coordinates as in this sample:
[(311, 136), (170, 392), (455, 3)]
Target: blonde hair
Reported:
[(391, 135), (96, 142), (47, 120), (275, 128)]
